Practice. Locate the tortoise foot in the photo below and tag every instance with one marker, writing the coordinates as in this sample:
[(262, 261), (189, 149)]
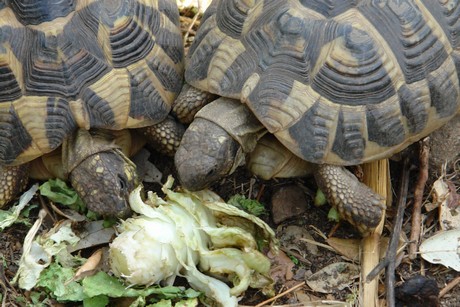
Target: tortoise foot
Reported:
[(355, 201)]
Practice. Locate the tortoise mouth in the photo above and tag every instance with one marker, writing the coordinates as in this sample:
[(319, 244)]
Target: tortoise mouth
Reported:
[(120, 208), (195, 170)]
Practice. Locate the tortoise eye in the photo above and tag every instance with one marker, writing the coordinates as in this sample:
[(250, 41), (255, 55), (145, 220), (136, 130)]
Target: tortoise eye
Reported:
[(211, 172)]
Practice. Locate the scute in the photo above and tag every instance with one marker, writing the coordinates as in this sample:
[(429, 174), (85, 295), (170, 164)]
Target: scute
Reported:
[(9, 86), (415, 40), (447, 14), (14, 138), (349, 143), (231, 17), (329, 8), (444, 94), (353, 73), (384, 126), (339, 82), (95, 64), (34, 12), (59, 121), (313, 129), (414, 105)]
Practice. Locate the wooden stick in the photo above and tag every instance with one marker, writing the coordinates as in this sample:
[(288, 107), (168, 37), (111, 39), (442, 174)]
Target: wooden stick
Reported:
[(394, 241), (449, 287), (280, 295), (194, 20), (376, 176), (389, 262), (418, 199)]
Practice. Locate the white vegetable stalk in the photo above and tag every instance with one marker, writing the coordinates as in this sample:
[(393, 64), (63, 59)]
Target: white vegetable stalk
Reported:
[(180, 236)]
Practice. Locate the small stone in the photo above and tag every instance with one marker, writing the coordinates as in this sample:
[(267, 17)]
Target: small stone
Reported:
[(288, 201)]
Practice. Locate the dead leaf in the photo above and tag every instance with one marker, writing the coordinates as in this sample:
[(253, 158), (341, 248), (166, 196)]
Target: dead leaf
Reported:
[(350, 248), (449, 214), (291, 237), (453, 201), (333, 277), (94, 234), (146, 170), (288, 202), (443, 248), (281, 267), (310, 300), (90, 265)]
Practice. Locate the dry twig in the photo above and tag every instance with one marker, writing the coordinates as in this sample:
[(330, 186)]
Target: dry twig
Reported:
[(280, 295), (449, 287), (418, 198), (195, 18)]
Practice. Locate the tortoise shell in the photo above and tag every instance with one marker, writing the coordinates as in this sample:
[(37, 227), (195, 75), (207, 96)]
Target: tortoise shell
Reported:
[(68, 64), (340, 82)]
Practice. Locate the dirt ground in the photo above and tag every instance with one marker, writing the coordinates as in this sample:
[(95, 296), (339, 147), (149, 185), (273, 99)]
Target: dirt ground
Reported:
[(305, 259)]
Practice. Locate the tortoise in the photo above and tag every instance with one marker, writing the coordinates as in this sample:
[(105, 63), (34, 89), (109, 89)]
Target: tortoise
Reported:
[(338, 83), (71, 72)]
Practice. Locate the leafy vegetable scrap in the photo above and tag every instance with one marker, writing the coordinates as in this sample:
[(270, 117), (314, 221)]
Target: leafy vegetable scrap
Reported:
[(181, 236), (197, 236)]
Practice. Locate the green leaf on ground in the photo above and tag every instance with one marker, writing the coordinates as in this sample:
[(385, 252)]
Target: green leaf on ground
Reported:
[(103, 284), (58, 280), (333, 215), (58, 191), (97, 301), (320, 198), (249, 205)]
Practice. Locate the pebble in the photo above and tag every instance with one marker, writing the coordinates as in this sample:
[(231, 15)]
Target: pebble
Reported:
[(287, 202)]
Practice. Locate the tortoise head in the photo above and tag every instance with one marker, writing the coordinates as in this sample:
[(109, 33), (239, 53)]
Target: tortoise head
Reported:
[(206, 154), (99, 171), (104, 180)]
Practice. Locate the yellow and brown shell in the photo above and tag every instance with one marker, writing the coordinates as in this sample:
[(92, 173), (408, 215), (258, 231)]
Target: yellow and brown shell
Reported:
[(69, 64), (336, 81)]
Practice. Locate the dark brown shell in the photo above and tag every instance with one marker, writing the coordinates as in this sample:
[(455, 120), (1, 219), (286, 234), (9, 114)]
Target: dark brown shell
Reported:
[(335, 81), (67, 64)]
